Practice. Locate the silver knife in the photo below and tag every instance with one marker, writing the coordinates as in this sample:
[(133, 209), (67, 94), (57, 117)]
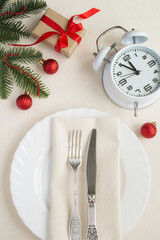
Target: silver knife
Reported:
[(92, 233)]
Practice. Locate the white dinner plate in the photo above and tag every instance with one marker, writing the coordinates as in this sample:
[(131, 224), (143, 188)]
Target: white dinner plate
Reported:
[(31, 172)]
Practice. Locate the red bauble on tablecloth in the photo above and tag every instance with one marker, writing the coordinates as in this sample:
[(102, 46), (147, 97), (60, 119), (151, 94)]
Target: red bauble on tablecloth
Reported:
[(149, 130), (50, 66)]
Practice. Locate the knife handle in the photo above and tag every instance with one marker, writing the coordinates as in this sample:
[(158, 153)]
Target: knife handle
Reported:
[(92, 233), (75, 225)]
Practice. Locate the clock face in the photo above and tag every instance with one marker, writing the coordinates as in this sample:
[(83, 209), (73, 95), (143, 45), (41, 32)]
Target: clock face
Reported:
[(136, 71)]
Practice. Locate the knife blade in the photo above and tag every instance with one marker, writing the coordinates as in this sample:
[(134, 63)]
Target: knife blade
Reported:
[(91, 186)]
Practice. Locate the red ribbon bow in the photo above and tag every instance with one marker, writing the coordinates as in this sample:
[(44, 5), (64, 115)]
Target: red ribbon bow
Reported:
[(72, 28)]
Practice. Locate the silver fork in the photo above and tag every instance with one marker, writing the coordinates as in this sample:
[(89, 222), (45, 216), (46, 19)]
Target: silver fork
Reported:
[(75, 161)]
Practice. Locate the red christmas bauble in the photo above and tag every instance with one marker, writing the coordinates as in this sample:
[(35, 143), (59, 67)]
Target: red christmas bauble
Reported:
[(24, 101), (50, 66), (149, 130)]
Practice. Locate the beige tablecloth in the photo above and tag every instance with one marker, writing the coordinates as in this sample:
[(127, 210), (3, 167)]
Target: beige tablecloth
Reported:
[(76, 85)]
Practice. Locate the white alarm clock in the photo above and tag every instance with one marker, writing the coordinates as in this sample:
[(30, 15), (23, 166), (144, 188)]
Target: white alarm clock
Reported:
[(131, 77)]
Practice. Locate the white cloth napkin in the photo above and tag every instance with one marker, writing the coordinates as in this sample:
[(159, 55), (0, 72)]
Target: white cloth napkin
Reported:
[(108, 182)]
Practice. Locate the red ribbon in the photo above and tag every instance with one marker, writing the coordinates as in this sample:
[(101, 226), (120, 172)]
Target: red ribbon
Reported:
[(72, 28)]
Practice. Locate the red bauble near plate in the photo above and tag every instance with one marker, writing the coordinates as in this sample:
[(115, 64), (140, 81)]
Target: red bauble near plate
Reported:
[(24, 102), (149, 130)]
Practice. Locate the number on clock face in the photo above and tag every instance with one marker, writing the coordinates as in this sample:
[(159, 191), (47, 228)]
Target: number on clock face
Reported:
[(136, 71)]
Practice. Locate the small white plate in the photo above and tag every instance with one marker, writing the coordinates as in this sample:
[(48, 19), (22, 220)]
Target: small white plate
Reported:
[(31, 172)]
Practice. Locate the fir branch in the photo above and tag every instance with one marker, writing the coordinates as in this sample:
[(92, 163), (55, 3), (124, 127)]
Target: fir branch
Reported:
[(15, 28), (24, 55), (31, 7), (26, 83), (23, 81), (6, 84), (8, 37), (2, 52), (10, 30), (4, 4)]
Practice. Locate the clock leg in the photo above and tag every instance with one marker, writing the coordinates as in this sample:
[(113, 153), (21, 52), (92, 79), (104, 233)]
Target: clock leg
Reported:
[(135, 108)]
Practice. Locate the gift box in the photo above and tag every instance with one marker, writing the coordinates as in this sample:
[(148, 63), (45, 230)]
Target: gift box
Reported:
[(52, 40)]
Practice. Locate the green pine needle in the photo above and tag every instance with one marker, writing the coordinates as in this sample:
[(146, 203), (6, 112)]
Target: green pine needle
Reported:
[(26, 83), (24, 55), (8, 37), (4, 4), (6, 84), (10, 30), (15, 28), (31, 7), (2, 53)]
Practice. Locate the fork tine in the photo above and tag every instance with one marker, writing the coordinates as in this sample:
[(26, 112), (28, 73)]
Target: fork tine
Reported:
[(80, 148), (73, 144), (70, 145), (77, 144)]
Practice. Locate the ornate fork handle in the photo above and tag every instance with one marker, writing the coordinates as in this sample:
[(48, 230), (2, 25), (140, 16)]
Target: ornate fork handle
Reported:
[(75, 226)]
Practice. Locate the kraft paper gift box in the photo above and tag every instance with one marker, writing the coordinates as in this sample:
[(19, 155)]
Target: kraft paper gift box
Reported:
[(42, 28)]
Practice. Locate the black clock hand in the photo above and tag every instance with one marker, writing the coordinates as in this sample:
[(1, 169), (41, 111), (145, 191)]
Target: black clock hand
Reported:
[(122, 65), (132, 66), (137, 72)]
